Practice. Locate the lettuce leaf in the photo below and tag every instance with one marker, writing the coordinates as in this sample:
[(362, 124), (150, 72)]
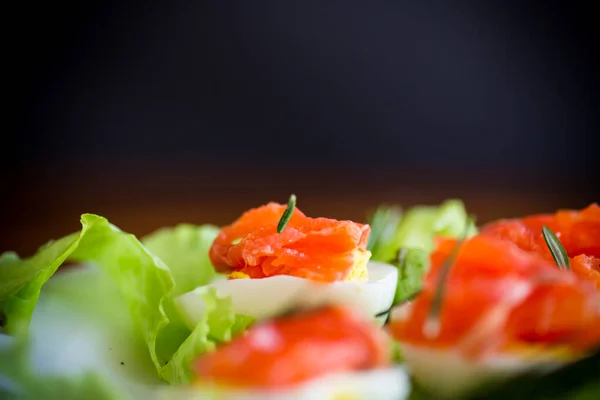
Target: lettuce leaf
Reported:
[(218, 325), (22, 280), (407, 239), (184, 249), (81, 324), (18, 381), (383, 222), (81, 343), (140, 279), (417, 227), (412, 265)]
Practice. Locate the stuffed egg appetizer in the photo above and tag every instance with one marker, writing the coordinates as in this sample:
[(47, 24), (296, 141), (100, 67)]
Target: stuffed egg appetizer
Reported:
[(509, 300), (330, 352), (276, 258)]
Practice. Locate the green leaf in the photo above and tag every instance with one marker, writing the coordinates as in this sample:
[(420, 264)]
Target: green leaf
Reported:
[(22, 280), (148, 285), (383, 222), (412, 265), (218, 325), (19, 381), (86, 386), (81, 324), (140, 279), (184, 249), (418, 227), (406, 240)]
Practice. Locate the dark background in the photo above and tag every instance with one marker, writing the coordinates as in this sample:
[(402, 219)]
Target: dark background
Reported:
[(193, 111)]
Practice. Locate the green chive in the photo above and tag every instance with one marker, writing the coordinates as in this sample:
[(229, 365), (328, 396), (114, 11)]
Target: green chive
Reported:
[(287, 214), (433, 323), (556, 248)]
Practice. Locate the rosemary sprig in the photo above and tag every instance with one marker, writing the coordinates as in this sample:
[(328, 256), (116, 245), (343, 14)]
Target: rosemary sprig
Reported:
[(287, 214), (556, 248), (432, 325)]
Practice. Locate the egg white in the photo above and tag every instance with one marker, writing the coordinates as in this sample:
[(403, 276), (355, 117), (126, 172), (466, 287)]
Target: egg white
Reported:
[(380, 384), (267, 297), (447, 374)]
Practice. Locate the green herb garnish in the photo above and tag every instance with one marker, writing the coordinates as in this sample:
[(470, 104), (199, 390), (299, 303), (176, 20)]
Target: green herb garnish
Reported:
[(433, 323), (287, 214), (556, 248)]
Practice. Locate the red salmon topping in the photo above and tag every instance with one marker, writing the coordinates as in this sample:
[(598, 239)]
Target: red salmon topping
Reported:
[(587, 268), (498, 296), (320, 249), (297, 348), (578, 231)]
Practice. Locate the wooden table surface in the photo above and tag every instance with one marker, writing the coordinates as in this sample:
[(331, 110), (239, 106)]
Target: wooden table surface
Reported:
[(41, 204)]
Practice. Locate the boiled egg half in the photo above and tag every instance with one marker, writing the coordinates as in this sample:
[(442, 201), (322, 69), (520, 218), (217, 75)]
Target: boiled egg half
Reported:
[(267, 297)]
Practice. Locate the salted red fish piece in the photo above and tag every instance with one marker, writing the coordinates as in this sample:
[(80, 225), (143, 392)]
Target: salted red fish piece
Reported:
[(578, 231), (297, 348), (499, 298), (319, 249), (587, 268)]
